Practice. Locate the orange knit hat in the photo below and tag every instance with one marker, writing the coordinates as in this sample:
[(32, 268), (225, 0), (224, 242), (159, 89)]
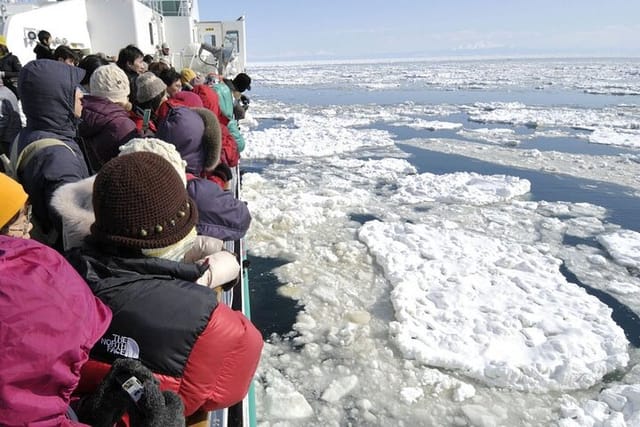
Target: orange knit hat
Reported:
[(13, 199)]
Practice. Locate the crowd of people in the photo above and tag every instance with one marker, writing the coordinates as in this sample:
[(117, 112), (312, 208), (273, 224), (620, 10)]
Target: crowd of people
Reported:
[(116, 203)]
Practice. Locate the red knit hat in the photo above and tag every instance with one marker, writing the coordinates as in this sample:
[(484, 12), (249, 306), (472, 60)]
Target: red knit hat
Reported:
[(140, 202)]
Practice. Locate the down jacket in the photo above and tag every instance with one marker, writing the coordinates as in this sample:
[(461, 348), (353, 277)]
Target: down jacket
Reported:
[(202, 350), (105, 126), (194, 134), (49, 319)]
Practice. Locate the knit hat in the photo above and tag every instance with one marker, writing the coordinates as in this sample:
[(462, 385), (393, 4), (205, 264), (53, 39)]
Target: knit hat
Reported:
[(149, 86), (140, 202), (186, 75), (13, 199), (109, 81), (242, 82), (158, 146)]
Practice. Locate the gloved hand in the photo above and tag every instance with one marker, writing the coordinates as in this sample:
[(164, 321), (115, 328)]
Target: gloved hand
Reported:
[(110, 401), (223, 172), (222, 268), (156, 408), (202, 246), (244, 101)]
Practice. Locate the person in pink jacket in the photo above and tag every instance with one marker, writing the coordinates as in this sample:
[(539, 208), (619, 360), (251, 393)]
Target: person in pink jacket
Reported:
[(49, 320)]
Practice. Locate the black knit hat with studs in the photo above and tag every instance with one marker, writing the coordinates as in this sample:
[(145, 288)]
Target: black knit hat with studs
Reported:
[(140, 202)]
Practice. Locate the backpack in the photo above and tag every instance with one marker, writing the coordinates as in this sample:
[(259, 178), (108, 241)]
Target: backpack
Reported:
[(17, 162), (14, 165)]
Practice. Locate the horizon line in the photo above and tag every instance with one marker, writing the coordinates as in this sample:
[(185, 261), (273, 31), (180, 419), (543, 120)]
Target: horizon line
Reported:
[(423, 58)]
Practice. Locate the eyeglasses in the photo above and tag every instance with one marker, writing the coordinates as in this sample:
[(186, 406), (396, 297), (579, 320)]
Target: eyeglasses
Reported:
[(22, 225)]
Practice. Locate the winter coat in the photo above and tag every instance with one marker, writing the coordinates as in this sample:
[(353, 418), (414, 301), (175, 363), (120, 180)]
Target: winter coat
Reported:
[(220, 214), (133, 85), (181, 99), (202, 350), (47, 90), (105, 126), (137, 116), (225, 100), (43, 51), (195, 136), (10, 122), (230, 155), (11, 66), (49, 319)]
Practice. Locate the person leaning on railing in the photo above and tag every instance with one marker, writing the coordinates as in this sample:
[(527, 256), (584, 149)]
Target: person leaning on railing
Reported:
[(140, 260)]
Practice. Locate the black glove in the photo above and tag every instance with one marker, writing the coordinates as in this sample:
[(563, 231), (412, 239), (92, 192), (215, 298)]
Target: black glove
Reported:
[(156, 408), (110, 401), (223, 172), (146, 404), (244, 100)]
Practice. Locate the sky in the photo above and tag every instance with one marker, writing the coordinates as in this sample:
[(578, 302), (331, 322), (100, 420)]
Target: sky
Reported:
[(294, 30)]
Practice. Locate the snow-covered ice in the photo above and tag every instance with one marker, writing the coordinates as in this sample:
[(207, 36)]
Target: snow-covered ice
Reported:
[(443, 299)]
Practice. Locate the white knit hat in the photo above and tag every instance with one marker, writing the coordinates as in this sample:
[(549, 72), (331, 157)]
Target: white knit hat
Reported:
[(109, 81), (160, 147)]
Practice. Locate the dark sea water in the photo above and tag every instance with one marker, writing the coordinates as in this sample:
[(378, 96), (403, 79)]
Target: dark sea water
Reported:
[(343, 96)]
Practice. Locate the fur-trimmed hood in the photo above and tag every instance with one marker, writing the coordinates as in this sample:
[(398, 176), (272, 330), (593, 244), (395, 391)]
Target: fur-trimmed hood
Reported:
[(73, 202), (196, 134)]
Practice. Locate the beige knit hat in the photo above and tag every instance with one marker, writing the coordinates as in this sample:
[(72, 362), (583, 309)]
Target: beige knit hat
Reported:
[(109, 81)]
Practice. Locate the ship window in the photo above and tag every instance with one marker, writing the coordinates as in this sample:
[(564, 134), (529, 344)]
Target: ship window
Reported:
[(151, 33), (232, 41), (212, 40)]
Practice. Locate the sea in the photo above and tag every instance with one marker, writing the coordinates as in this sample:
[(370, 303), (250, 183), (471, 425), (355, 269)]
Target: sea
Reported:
[(445, 243)]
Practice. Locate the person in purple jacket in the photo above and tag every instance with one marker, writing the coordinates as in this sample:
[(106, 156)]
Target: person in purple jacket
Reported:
[(195, 132), (106, 124)]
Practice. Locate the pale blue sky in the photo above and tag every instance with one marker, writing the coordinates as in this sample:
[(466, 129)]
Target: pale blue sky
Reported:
[(330, 29)]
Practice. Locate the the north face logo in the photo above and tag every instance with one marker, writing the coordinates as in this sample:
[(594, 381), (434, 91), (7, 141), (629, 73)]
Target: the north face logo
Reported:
[(122, 346)]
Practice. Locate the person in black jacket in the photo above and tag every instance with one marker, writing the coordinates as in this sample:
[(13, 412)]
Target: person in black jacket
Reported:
[(10, 66), (43, 48)]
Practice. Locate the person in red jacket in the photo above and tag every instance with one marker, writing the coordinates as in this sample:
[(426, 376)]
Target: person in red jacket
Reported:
[(136, 262)]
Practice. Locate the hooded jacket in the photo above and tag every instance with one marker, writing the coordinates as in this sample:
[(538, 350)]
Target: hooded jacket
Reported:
[(105, 126), (230, 153), (225, 100), (197, 137), (49, 319), (220, 215), (47, 89), (202, 350), (11, 66)]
